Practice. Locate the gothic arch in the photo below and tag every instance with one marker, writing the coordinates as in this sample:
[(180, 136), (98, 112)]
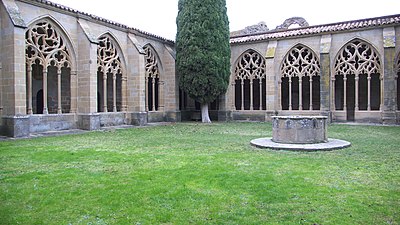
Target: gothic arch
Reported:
[(111, 76), (153, 78), (50, 59), (249, 81), (62, 32), (117, 46), (357, 78), (300, 79)]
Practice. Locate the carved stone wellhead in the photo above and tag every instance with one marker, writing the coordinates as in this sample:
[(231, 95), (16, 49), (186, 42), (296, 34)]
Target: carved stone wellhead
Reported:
[(299, 129)]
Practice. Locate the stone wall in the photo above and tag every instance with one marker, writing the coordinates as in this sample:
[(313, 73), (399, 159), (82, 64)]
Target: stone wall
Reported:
[(79, 97), (326, 47)]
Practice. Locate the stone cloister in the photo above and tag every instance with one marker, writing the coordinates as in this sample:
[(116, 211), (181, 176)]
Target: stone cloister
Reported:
[(63, 69)]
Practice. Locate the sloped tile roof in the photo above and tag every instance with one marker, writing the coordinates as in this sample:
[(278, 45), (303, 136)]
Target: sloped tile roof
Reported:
[(320, 29), (113, 23)]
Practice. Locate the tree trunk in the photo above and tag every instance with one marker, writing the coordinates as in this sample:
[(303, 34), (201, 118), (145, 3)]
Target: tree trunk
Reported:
[(205, 118)]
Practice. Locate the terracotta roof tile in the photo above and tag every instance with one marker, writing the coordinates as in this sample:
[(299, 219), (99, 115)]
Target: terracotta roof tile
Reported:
[(325, 28)]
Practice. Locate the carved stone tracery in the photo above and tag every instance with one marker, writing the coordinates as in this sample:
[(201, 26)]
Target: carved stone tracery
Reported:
[(45, 47), (300, 61), (43, 43), (108, 60), (361, 60), (250, 77), (357, 57), (109, 63), (152, 79), (300, 71), (250, 66), (151, 62)]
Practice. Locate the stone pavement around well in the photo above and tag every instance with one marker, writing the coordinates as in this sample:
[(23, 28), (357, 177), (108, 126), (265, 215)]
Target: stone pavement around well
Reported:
[(332, 144)]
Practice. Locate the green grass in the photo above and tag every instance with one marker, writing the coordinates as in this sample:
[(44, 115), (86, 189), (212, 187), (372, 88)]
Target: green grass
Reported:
[(191, 173)]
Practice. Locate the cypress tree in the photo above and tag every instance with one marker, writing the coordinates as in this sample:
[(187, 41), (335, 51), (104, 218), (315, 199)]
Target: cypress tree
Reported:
[(203, 50)]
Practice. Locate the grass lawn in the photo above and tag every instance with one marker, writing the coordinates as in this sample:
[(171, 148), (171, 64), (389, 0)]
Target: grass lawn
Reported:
[(190, 173)]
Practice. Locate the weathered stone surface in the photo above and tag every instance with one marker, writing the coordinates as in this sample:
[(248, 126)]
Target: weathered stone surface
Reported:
[(15, 126), (331, 144), (138, 118), (89, 121), (254, 29), (41, 123), (293, 20), (112, 119), (299, 129)]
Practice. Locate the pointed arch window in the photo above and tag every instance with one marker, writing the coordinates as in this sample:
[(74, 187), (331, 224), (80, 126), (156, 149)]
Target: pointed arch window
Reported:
[(250, 82), (152, 79), (357, 77), (109, 76), (300, 81), (48, 64)]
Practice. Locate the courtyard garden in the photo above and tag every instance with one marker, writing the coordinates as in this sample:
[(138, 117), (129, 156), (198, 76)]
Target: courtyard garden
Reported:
[(191, 173)]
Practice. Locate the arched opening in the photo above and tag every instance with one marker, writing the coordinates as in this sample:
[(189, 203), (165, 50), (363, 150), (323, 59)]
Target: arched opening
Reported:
[(357, 79), (300, 80), (109, 76), (152, 79), (250, 82), (48, 68)]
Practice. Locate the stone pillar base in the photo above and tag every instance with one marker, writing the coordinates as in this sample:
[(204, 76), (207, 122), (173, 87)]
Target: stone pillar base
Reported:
[(173, 116), (389, 118), (328, 114), (138, 118), (269, 114), (89, 121), (224, 116), (15, 126)]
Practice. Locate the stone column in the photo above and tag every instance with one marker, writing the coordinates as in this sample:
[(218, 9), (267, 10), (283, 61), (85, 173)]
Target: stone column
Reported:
[(136, 81), (271, 81), (290, 93), (74, 91), (14, 122), (300, 92), (161, 99), (29, 83), (388, 84), (325, 77), (84, 79), (147, 93), (311, 93), (124, 93), (45, 109), (105, 97), (357, 78), (59, 107)]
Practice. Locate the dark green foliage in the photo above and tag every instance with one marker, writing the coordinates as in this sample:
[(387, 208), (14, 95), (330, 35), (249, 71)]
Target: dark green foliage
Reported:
[(202, 48)]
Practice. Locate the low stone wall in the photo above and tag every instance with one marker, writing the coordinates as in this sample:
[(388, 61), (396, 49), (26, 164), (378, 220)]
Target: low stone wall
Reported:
[(155, 117), (110, 119), (52, 122), (249, 115)]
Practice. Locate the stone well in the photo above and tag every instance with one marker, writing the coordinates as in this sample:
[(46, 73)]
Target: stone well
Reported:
[(300, 133), (299, 129)]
